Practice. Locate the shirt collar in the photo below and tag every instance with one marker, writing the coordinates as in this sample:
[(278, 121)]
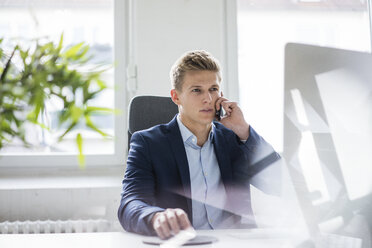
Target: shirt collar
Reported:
[(188, 136)]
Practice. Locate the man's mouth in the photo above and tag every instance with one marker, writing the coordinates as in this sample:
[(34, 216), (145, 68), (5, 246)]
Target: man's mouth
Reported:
[(206, 110)]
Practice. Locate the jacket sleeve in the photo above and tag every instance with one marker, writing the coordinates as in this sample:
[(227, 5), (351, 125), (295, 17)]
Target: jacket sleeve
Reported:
[(138, 195), (263, 164)]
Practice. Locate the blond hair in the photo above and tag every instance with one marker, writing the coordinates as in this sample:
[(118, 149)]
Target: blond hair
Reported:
[(198, 60)]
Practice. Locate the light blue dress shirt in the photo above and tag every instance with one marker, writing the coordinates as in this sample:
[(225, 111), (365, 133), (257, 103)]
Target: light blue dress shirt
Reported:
[(207, 190)]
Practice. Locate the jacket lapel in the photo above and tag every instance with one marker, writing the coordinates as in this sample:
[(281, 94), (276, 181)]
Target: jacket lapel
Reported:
[(179, 153)]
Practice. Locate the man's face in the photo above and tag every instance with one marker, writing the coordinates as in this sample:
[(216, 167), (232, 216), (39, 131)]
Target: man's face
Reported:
[(196, 100)]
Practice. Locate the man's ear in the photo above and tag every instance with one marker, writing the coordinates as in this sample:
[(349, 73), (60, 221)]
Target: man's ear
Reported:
[(174, 95)]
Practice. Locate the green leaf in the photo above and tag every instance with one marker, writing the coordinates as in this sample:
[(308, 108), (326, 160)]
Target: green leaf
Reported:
[(90, 124), (24, 55), (72, 125), (72, 51), (81, 157), (60, 44), (39, 106), (7, 66), (83, 51), (101, 110), (43, 126), (101, 84), (76, 113)]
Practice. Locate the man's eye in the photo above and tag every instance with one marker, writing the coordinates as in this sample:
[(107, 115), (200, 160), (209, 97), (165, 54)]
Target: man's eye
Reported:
[(195, 90), (214, 89)]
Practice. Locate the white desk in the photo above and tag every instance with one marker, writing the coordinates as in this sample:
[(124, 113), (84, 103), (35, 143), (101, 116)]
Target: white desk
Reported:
[(227, 239)]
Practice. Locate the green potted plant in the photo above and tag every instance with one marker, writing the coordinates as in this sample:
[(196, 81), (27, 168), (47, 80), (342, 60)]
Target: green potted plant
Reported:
[(31, 76)]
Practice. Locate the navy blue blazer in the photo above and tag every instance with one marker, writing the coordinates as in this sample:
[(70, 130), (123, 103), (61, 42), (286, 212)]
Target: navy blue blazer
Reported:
[(157, 174)]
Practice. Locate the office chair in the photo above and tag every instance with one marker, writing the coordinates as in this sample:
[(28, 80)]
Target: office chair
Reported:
[(148, 111)]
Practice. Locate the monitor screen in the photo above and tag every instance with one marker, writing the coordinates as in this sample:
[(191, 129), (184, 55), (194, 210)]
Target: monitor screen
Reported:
[(328, 137)]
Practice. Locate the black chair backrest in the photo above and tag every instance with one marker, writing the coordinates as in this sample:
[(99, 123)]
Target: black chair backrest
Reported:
[(148, 111)]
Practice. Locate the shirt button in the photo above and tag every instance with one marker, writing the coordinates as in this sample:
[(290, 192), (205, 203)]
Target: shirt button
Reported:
[(206, 174)]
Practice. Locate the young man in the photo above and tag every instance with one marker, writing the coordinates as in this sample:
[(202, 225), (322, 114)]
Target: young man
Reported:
[(193, 171)]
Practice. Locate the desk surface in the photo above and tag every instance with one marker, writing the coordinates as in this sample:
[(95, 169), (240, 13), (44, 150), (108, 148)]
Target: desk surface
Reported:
[(227, 238)]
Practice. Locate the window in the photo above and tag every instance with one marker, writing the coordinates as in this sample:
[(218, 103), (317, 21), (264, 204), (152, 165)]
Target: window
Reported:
[(92, 22), (264, 27)]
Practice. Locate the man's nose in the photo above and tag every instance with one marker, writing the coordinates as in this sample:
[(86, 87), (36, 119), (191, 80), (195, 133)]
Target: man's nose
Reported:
[(208, 97)]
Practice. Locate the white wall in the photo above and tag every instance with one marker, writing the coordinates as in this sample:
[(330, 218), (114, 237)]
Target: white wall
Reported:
[(57, 194), (164, 30), (59, 204)]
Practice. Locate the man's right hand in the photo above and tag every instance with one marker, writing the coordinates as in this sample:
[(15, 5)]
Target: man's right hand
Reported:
[(170, 222)]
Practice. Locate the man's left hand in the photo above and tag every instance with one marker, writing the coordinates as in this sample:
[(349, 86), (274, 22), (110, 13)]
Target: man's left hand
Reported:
[(233, 118)]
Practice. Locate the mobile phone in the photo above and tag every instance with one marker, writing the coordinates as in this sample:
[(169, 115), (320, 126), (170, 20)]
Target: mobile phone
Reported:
[(219, 113)]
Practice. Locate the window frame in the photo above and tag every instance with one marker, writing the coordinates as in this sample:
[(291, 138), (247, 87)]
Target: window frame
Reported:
[(70, 160)]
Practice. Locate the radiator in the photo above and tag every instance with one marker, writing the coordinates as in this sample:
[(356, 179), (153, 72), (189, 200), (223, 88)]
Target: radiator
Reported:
[(56, 226)]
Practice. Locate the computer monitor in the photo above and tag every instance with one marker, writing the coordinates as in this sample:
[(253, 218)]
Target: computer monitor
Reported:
[(328, 137)]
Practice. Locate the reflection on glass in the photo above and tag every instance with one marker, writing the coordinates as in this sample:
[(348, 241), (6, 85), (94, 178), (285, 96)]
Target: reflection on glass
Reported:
[(330, 159), (349, 115)]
